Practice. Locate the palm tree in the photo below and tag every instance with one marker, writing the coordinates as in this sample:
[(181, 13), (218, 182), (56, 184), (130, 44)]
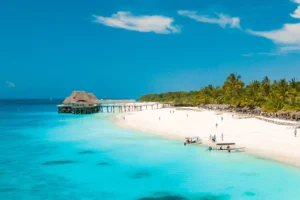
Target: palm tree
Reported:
[(253, 94)]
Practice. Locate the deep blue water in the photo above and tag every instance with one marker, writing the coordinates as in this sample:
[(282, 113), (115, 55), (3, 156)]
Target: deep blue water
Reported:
[(45, 155)]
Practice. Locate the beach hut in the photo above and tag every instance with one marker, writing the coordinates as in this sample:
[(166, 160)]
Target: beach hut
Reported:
[(295, 115), (79, 102), (283, 114), (257, 110)]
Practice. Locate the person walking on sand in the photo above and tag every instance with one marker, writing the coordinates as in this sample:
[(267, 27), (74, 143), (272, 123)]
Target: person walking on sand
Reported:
[(222, 136), (159, 118), (216, 125), (295, 132), (214, 138), (210, 137), (221, 118)]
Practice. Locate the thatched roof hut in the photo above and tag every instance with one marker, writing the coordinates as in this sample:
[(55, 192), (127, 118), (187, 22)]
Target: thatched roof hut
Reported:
[(283, 113), (257, 109), (295, 113), (81, 98)]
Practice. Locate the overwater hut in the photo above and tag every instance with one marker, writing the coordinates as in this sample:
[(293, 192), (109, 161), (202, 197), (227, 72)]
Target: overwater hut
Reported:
[(79, 103)]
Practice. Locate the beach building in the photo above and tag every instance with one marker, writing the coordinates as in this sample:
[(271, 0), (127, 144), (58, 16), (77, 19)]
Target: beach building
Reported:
[(79, 102)]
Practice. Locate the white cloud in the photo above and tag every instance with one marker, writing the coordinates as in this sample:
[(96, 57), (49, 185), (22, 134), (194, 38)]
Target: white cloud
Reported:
[(262, 54), (10, 84), (290, 48), (222, 19), (287, 38), (144, 23), (296, 1), (288, 34), (296, 13)]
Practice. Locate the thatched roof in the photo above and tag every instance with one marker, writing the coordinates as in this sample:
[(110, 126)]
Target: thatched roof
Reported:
[(296, 113), (283, 112), (92, 96), (67, 100), (81, 98), (257, 108), (245, 108), (221, 106)]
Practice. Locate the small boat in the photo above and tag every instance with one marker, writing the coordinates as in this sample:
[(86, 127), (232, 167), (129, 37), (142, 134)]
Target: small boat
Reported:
[(192, 140), (229, 146)]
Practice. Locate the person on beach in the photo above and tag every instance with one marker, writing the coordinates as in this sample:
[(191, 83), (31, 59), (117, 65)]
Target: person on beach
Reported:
[(221, 118), (295, 132), (214, 138), (210, 137), (216, 125), (229, 148), (222, 136), (159, 118), (187, 115)]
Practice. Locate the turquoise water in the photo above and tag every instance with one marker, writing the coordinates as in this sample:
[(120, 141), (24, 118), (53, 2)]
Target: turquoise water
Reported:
[(45, 155)]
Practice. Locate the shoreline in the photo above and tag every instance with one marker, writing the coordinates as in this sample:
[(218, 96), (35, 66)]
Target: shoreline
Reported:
[(176, 127)]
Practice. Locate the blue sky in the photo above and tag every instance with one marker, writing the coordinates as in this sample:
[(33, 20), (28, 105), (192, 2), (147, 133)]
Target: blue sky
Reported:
[(122, 49)]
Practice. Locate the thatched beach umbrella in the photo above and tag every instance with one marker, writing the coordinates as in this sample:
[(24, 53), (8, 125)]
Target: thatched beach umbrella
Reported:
[(257, 109), (245, 109), (296, 113), (283, 113)]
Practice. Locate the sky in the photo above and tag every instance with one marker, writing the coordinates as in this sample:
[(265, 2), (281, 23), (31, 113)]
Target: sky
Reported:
[(127, 48)]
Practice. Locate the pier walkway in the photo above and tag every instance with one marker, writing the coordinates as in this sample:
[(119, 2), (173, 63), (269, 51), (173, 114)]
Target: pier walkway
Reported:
[(131, 107)]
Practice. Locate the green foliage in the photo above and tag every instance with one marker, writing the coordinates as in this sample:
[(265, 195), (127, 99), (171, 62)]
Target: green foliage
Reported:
[(271, 96)]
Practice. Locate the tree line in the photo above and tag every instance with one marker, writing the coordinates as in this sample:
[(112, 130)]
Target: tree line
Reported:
[(271, 96)]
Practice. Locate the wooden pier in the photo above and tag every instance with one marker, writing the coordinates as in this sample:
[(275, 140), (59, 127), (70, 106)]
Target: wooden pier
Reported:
[(81, 102), (130, 107)]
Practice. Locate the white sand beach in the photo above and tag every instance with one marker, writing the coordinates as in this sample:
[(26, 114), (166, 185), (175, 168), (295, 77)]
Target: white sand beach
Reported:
[(263, 139)]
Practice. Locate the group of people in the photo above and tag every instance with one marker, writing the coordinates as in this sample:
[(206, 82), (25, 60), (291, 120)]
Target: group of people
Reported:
[(221, 148), (228, 148)]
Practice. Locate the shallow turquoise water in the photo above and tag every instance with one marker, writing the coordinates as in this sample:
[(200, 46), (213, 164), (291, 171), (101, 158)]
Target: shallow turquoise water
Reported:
[(49, 156)]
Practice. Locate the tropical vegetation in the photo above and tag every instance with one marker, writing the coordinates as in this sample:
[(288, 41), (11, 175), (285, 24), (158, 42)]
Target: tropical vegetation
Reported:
[(271, 96)]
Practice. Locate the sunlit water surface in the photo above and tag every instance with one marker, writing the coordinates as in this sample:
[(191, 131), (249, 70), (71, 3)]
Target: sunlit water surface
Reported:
[(45, 155)]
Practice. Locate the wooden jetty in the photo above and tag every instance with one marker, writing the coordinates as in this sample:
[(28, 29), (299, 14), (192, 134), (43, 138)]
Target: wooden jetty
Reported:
[(81, 102), (131, 107)]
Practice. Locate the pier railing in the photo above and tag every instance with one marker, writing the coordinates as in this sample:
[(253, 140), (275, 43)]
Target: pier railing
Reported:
[(129, 107)]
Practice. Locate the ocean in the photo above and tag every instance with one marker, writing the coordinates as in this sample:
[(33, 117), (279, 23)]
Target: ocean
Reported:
[(46, 155)]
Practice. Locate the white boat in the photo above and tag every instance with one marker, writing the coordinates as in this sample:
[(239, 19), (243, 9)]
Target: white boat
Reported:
[(226, 146), (192, 140)]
